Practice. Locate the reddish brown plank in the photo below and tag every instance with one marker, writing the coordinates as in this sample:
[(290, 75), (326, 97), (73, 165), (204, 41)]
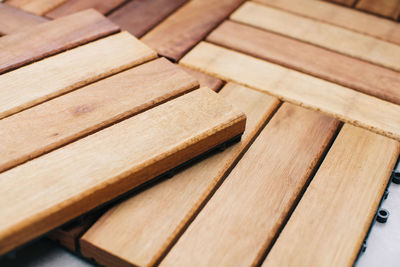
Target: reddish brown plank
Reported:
[(385, 8), (331, 66), (204, 79), (187, 26)]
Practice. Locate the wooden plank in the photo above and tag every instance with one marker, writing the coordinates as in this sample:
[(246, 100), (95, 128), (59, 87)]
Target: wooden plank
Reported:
[(72, 6), (341, 16), (38, 7), (204, 79), (331, 66), (49, 191), (332, 218), (348, 105), (113, 241), (322, 34), (344, 2), (186, 27), (52, 37), (13, 19), (243, 216), (387, 8), (38, 82), (89, 109), (138, 17)]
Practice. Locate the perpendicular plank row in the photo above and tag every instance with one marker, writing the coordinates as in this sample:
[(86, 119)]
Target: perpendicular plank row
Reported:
[(45, 127), (332, 218), (244, 215), (316, 61), (48, 191), (387, 8), (140, 230), (319, 33), (38, 7), (348, 105), (69, 70)]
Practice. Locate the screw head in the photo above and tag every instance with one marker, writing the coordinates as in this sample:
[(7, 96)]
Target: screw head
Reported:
[(382, 215)]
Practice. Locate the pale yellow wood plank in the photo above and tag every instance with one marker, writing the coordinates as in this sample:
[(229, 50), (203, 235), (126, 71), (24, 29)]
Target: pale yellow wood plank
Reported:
[(332, 218), (348, 105), (36, 83), (322, 34), (140, 230), (48, 191), (38, 7)]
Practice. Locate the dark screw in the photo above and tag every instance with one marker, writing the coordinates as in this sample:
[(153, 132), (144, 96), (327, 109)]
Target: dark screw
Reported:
[(364, 247), (382, 216)]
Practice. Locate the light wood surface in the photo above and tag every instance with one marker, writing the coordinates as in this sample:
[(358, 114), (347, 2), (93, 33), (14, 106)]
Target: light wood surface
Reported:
[(57, 122), (49, 191), (13, 19), (45, 79), (332, 218), (178, 33), (341, 16), (322, 63), (338, 101), (204, 79), (72, 6), (46, 39), (386, 8), (241, 219), (141, 229), (38, 7), (322, 34)]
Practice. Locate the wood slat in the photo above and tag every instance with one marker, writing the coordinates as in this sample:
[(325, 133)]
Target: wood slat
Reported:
[(38, 82), (334, 67), (89, 109), (322, 34), (141, 229), (138, 17), (50, 190), (204, 79), (186, 27), (241, 219), (52, 37), (38, 7), (387, 8), (13, 19), (341, 16), (332, 218), (344, 2), (348, 105), (72, 6)]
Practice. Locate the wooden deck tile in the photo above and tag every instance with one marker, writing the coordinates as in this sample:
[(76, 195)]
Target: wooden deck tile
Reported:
[(52, 37), (387, 8), (325, 35), (35, 131), (348, 105), (325, 64), (204, 79), (72, 6), (38, 7), (182, 30), (332, 218), (48, 191), (69, 70), (245, 213)]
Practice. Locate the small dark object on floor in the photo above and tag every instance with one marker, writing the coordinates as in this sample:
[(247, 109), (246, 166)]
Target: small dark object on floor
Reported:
[(382, 215)]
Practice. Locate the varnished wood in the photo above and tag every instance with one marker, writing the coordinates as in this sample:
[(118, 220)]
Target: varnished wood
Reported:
[(204, 79), (48, 191), (46, 39), (71, 116), (48, 78), (387, 8), (322, 34), (244, 215), (331, 66), (140, 230), (139, 16), (186, 27), (38, 7), (332, 218), (348, 105)]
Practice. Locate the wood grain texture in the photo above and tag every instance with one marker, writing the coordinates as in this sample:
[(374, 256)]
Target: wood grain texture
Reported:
[(49, 191), (332, 218), (325, 64), (46, 39), (89, 109), (322, 34), (141, 229), (186, 27), (243, 216), (138, 17), (341, 16), (204, 79), (387, 8), (48, 78), (344, 2), (72, 6), (38, 7), (13, 19), (348, 105)]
